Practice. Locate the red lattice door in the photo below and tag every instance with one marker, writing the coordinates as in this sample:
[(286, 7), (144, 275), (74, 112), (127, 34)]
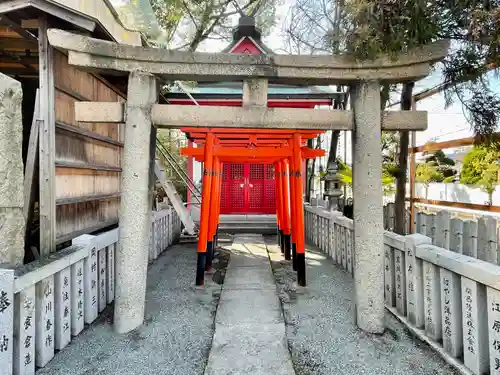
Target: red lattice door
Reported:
[(256, 188), (233, 198), (269, 190), (248, 188)]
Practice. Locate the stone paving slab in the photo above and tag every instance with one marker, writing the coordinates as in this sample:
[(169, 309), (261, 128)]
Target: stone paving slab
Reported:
[(249, 306), (242, 259), (250, 331), (250, 349), (249, 278)]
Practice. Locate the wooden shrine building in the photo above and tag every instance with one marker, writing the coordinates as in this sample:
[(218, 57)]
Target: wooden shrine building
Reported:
[(78, 165)]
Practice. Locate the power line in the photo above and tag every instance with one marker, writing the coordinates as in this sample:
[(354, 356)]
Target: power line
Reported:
[(450, 133)]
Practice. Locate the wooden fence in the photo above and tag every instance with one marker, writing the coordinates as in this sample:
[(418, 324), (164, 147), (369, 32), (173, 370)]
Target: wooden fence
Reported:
[(46, 303), (449, 299)]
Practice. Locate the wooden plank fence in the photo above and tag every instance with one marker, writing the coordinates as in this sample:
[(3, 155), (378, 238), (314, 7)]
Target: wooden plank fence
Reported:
[(44, 304), (434, 282)]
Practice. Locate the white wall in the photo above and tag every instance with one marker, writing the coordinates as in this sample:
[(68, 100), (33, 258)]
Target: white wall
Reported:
[(455, 193), (197, 171), (440, 191)]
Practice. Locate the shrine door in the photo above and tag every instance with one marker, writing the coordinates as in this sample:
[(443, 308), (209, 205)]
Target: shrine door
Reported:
[(248, 189)]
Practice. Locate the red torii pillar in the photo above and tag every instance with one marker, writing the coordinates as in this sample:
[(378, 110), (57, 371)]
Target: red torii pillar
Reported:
[(299, 255), (283, 206), (285, 189), (214, 215), (208, 162), (279, 204)]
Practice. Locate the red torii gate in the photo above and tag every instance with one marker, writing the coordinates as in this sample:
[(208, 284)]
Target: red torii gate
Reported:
[(283, 148)]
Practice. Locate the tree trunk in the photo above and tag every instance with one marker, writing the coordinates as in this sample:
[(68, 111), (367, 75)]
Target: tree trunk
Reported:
[(334, 142), (404, 143), (384, 96)]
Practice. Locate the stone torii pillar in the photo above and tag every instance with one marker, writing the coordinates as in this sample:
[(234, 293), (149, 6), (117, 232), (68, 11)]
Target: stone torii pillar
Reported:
[(368, 213), (135, 207)]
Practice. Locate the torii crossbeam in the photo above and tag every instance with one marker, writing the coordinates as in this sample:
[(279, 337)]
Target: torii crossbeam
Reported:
[(285, 149)]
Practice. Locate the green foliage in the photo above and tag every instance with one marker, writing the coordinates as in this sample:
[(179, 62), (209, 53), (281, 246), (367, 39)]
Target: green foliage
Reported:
[(169, 15), (476, 162), (488, 181), (345, 172), (441, 163), (138, 15), (369, 29), (375, 27), (426, 173), (390, 142)]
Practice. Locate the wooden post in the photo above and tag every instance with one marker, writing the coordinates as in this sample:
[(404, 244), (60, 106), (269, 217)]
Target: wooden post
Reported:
[(152, 161), (345, 161), (30, 171), (205, 209), (47, 150)]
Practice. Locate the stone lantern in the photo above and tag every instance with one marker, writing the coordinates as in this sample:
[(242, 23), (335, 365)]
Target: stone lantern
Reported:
[(332, 185)]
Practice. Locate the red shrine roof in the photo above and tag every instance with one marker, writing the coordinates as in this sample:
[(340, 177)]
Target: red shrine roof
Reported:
[(250, 145)]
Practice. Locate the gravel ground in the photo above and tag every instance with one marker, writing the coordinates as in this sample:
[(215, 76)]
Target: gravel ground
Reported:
[(321, 335), (177, 334)]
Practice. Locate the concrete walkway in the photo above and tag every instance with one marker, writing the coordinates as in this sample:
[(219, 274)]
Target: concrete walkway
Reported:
[(250, 333)]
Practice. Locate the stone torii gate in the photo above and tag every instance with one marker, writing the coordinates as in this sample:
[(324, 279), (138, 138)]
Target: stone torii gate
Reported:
[(145, 66)]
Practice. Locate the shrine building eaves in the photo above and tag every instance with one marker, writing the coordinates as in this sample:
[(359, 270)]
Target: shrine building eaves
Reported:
[(96, 16)]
